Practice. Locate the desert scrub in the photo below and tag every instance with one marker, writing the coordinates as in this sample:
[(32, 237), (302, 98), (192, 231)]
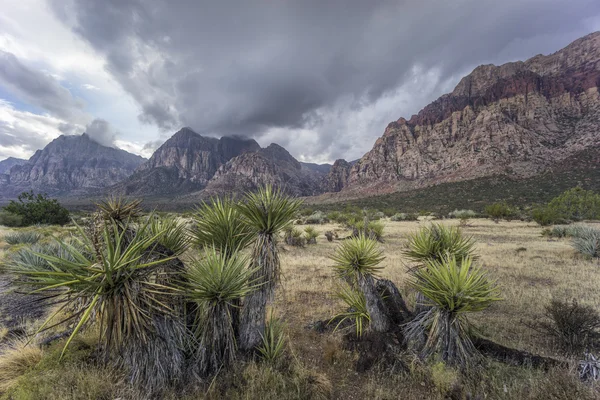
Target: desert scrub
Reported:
[(404, 217), (356, 309), (318, 218), (572, 326), (293, 237), (311, 235), (16, 359), (498, 211)]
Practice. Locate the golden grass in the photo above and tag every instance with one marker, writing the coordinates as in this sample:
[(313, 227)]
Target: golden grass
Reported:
[(529, 269), (16, 360)]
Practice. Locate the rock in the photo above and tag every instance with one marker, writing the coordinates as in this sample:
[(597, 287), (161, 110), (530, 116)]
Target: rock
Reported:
[(338, 176), (517, 120), (70, 165), (7, 164)]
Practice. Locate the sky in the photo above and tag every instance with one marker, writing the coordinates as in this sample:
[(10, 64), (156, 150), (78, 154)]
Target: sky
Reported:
[(321, 78)]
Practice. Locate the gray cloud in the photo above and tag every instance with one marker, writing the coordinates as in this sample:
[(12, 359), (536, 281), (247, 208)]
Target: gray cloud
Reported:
[(100, 131), (39, 89), (274, 69)]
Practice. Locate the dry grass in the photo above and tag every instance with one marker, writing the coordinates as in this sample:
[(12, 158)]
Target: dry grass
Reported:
[(17, 359), (529, 269)]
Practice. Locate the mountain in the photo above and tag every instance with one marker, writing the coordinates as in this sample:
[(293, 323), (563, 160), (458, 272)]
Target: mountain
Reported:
[(7, 164), (184, 163), (516, 120), (272, 165), (70, 165)]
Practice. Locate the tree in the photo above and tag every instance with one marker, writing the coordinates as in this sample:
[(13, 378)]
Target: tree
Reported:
[(267, 212), (38, 209)]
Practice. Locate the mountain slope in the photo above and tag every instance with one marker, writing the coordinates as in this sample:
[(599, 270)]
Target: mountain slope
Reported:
[(272, 165), (70, 165), (516, 120), (7, 164), (184, 163)]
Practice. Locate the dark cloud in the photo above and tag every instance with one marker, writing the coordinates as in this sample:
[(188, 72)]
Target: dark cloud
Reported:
[(38, 89), (100, 131), (269, 67)]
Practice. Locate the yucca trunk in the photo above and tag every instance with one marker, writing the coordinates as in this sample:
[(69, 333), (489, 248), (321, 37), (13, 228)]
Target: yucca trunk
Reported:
[(252, 322), (217, 344), (379, 320)]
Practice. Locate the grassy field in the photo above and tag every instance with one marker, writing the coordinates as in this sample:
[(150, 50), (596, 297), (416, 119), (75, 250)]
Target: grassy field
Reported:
[(529, 269)]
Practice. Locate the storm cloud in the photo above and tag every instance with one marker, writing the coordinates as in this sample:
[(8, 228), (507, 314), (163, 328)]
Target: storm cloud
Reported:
[(322, 77)]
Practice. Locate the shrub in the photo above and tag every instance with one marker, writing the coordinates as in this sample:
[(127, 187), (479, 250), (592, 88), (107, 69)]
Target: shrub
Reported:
[(10, 220), (318, 217), (311, 235), (460, 214), (576, 204), (23, 237), (376, 230), (452, 289), (587, 242), (498, 211), (544, 216), (389, 212), (334, 216), (573, 326), (437, 242), (38, 209), (404, 217)]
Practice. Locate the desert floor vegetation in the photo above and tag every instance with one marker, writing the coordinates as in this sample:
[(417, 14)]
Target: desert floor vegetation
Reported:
[(530, 271)]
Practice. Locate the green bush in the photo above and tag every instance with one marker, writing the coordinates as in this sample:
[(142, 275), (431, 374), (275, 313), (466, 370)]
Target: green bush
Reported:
[(404, 217), (545, 216), (462, 214), (437, 242), (388, 212), (10, 220), (318, 217), (38, 209), (576, 204), (498, 211)]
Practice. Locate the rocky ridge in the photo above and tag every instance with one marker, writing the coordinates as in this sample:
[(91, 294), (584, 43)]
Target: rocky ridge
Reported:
[(517, 119)]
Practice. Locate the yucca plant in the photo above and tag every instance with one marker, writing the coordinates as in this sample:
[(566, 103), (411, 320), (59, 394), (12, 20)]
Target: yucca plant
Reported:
[(357, 261), (117, 286), (587, 242), (311, 235), (267, 212), (273, 340), (437, 241), (452, 289), (23, 237), (356, 309), (29, 257), (219, 224), (170, 234), (215, 283), (293, 237), (120, 209)]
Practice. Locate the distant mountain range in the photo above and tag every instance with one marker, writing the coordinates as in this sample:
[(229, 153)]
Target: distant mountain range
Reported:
[(518, 120)]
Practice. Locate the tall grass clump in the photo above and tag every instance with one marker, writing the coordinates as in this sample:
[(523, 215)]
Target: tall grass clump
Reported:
[(357, 261), (436, 241), (219, 224), (216, 283), (267, 212), (452, 290), (16, 360), (23, 237)]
